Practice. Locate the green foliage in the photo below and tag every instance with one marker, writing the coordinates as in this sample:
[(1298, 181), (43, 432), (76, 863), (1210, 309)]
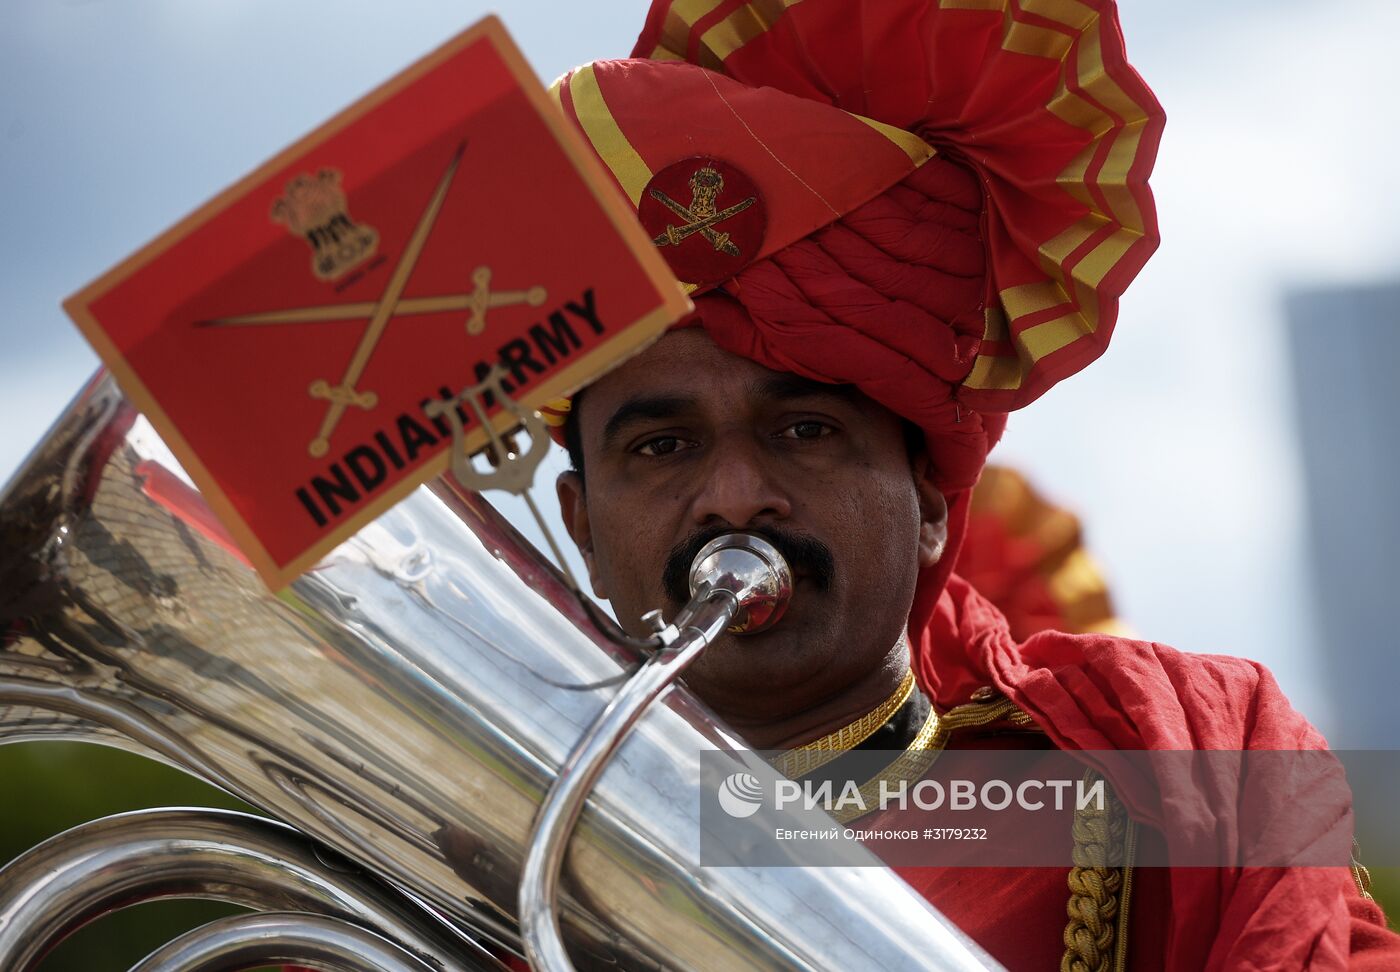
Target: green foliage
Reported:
[(1385, 888)]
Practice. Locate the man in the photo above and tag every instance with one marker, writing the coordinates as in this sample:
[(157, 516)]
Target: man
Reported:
[(900, 221), (685, 442)]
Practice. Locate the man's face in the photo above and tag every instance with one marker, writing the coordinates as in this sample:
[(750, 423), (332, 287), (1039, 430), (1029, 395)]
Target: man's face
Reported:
[(686, 441)]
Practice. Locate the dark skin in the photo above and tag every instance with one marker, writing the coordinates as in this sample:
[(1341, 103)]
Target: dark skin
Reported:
[(686, 437)]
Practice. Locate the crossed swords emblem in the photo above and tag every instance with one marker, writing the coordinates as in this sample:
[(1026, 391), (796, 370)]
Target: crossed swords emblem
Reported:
[(345, 393), (705, 186)]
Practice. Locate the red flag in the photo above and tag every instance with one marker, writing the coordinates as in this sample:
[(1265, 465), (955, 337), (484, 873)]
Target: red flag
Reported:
[(288, 338)]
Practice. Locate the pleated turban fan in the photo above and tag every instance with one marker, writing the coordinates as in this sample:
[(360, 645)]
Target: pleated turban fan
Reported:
[(938, 201)]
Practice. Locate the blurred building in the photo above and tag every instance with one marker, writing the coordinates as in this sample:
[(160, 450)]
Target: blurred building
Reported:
[(1346, 367)]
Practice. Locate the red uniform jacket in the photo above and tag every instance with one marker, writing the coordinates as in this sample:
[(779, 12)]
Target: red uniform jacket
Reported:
[(1098, 692)]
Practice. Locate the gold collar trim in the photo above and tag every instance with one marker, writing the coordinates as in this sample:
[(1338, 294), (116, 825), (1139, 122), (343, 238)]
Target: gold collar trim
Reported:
[(911, 764), (813, 755), (915, 761)]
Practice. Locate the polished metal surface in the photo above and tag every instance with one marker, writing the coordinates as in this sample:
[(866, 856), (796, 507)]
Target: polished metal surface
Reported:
[(407, 703), (78, 876), (737, 574), (248, 941), (744, 561)]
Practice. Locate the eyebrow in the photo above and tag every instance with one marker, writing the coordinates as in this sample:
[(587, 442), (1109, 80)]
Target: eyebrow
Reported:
[(776, 387), (640, 409), (783, 387)]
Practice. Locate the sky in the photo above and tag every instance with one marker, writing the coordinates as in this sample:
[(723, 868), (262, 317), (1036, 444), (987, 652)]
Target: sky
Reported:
[(1178, 447)]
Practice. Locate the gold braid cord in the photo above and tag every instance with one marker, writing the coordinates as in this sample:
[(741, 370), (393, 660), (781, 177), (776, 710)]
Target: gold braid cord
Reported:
[(1096, 935), (1359, 872)]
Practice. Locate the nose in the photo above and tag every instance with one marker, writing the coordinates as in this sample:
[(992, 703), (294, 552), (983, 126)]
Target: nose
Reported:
[(740, 487)]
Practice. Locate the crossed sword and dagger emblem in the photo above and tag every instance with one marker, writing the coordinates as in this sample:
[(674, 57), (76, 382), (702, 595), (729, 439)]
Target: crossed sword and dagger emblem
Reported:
[(701, 216), (345, 393)]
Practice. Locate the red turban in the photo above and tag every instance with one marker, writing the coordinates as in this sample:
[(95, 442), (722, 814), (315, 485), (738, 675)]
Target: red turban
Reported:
[(938, 201)]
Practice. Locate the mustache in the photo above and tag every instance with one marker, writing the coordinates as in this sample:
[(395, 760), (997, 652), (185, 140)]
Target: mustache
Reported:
[(806, 555)]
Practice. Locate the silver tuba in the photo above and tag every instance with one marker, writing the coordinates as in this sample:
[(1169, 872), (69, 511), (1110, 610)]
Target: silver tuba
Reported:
[(403, 710)]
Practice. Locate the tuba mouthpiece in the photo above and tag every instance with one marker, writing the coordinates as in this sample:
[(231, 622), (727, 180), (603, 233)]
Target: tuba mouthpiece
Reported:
[(751, 569)]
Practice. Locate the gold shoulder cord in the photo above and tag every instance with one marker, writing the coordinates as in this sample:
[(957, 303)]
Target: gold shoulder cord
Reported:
[(1096, 938), (1099, 896)]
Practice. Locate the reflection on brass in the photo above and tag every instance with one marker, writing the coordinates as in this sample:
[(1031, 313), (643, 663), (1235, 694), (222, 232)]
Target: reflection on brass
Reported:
[(405, 704)]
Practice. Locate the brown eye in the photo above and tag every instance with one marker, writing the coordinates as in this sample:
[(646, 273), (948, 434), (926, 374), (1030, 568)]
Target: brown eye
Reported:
[(662, 445), (809, 429)]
